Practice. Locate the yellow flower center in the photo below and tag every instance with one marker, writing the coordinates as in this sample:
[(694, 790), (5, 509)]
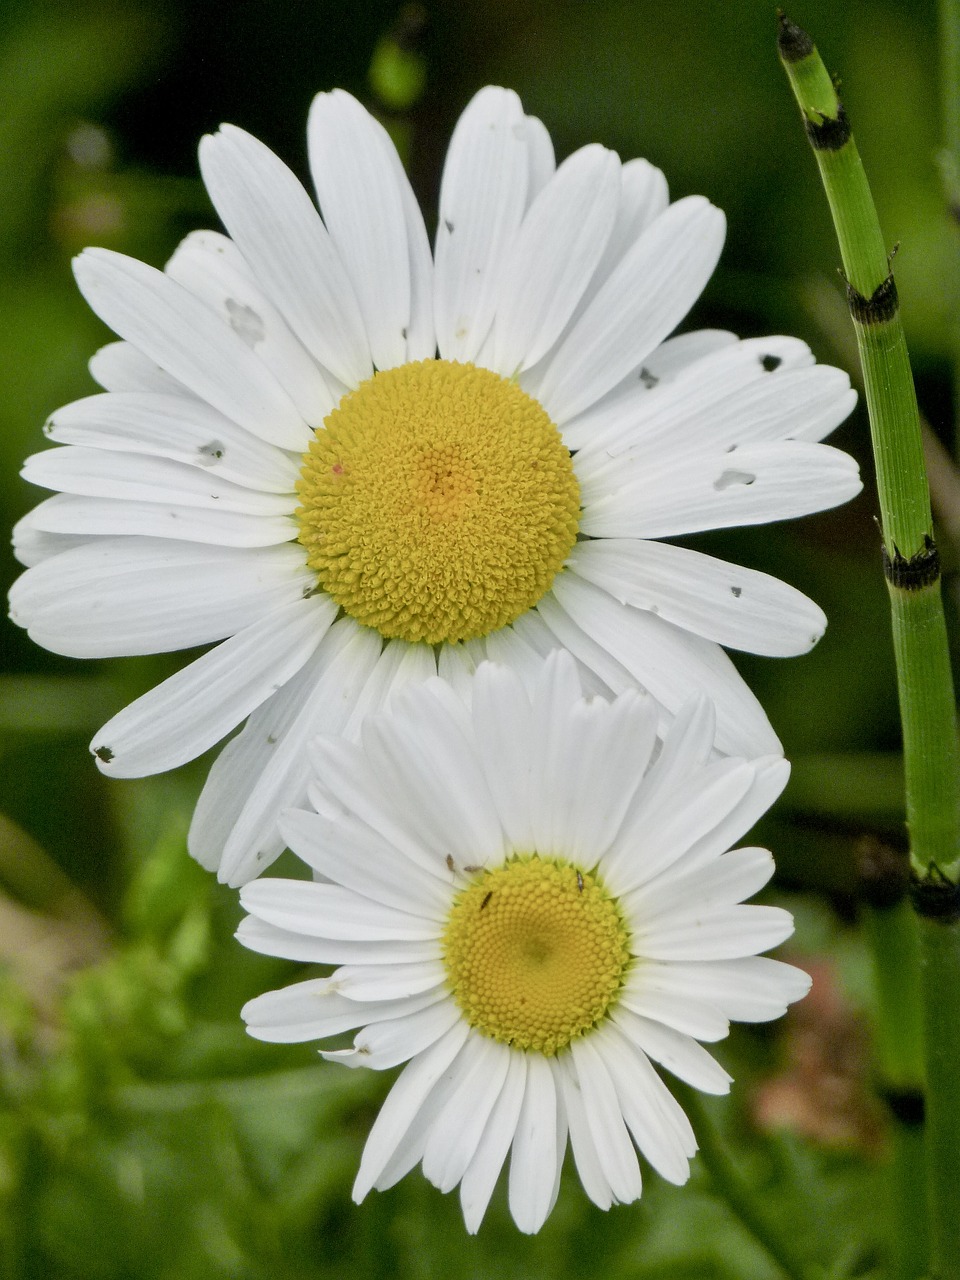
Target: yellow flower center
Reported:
[(439, 502), (535, 952)]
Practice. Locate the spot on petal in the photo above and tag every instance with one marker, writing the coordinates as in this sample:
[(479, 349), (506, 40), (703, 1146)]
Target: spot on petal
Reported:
[(245, 322), (210, 453), (727, 479)]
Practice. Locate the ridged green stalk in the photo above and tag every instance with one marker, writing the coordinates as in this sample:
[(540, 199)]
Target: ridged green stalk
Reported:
[(912, 571), (950, 174), (892, 932)]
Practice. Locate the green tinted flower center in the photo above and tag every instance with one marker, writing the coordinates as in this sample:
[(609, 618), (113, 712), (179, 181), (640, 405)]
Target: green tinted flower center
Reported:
[(535, 952)]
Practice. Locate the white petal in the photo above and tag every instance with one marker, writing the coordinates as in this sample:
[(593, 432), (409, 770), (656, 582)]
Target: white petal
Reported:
[(330, 911), (585, 1155), (121, 596), (721, 934), (349, 853), (388, 981), (540, 154), (267, 939), (456, 665), (456, 1134), (556, 689), (120, 367), (265, 768), (754, 485), (515, 647), (237, 769), (32, 546), (386, 1044), (399, 665), (792, 404), (274, 222), (186, 714), (677, 895), (478, 1182), (677, 771), (417, 1081), (679, 354), (680, 1054), (666, 821), (101, 473), (313, 1010), (409, 1150), (654, 1118), (211, 266), (360, 199), (344, 661), (594, 662), (553, 257), (304, 1011), (504, 734), (350, 782), (687, 745), (734, 606), (771, 777), (691, 1015), (622, 415), (421, 337), (604, 1115), (177, 331), (87, 517), (643, 196), (646, 296), (590, 767), (533, 1158), (428, 760), (671, 664), (750, 989), (179, 427), (482, 199), (741, 393)]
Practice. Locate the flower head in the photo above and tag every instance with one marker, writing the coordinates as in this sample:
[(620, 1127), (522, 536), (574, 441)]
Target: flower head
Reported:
[(350, 463), (531, 902)]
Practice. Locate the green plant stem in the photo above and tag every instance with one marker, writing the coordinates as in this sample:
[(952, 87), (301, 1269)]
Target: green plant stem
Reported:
[(941, 958), (892, 932), (949, 24), (919, 628), (911, 567), (731, 1186), (894, 944), (950, 73)]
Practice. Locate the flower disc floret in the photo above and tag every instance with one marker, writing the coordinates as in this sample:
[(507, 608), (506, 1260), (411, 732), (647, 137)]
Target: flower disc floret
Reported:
[(536, 952), (439, 502)]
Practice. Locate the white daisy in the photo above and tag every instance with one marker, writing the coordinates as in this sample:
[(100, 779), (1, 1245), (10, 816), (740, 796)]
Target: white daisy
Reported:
[(529, 904), (355, 463)]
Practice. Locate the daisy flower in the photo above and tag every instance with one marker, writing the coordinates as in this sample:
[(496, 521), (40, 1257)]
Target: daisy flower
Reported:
[(530, 906), (355, 463)]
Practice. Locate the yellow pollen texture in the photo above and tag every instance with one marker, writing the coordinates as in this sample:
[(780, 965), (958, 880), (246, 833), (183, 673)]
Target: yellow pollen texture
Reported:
[(535, 951), (439, 502)]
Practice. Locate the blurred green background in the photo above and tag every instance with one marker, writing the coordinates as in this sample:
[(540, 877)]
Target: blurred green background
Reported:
[(141, 1133)]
